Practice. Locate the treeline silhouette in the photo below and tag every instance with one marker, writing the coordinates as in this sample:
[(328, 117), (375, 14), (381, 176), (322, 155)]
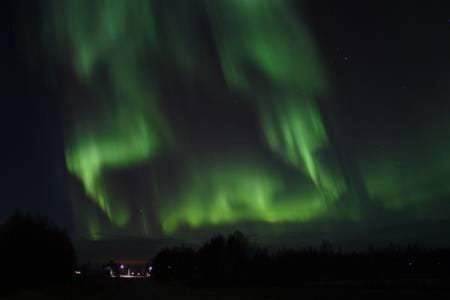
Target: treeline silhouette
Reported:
[(234, 260), (34, 253)]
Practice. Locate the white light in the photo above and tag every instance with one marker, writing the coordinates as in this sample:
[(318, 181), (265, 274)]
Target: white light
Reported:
[(122, 266)]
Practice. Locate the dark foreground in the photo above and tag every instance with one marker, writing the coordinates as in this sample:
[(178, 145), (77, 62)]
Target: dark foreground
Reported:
[(148, 289)]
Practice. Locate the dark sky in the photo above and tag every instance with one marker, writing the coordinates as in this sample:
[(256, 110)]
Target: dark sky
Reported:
[(32, 142), (386, 114)]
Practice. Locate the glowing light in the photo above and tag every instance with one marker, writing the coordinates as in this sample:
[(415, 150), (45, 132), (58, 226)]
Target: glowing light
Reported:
[(117, 121), (137, 69)]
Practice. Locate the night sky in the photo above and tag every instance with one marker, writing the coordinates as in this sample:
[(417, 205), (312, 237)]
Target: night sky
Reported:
[(293, 121)]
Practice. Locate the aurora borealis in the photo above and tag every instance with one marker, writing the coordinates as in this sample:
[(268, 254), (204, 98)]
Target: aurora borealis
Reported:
[(179, 116), (127, 126)]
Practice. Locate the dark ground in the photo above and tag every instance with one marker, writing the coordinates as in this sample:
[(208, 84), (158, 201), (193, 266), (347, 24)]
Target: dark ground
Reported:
[(147, 289)]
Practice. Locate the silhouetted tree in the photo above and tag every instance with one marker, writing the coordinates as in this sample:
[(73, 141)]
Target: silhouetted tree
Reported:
[(34, 253), (237, 254), (212, 259), (232, 260)]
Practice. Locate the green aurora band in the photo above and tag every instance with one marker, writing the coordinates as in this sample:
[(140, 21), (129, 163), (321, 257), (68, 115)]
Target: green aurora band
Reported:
[(289, 118), (240, 190), (116, 118), (124, 126)]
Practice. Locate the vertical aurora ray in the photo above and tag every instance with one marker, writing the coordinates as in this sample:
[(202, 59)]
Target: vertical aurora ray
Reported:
[(116, 49), (118, 122), (266, 56), (266, 40), (139, 77), (138, 74)]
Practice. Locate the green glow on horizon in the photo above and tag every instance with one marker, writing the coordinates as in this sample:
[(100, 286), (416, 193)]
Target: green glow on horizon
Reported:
[(254, 35), (239, 191), (132, 66), (113, 48), (412, 181)]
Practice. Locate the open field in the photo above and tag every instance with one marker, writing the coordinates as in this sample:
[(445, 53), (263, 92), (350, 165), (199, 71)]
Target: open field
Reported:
[(147, 289)]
